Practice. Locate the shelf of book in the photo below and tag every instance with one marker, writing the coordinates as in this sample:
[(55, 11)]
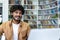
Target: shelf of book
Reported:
[(0, 13), (39, 13)]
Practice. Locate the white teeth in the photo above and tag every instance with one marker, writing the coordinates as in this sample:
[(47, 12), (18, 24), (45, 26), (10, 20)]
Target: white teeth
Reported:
[(17, 18)]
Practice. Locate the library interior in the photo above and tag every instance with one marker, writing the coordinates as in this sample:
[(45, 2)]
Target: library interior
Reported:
[(39, 14)]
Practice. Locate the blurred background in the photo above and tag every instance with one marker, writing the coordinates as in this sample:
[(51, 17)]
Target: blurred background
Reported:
[(40, 14)]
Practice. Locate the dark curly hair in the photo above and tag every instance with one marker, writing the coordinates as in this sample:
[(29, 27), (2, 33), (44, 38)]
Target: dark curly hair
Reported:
[(17, 7)]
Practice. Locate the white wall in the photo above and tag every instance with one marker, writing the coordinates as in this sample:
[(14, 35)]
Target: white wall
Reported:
[(5, 10)]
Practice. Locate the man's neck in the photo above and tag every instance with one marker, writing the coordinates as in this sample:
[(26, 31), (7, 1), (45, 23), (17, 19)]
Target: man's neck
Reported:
[(16, 21)]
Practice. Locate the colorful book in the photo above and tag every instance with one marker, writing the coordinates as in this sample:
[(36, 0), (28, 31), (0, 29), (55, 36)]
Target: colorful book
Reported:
[(52, 11), (59, 9)]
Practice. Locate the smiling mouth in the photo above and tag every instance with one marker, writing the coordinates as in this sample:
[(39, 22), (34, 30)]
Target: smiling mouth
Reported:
[(18, 18)]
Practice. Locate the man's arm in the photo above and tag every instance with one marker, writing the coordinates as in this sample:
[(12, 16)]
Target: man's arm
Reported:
[(1, 29), (28, 31)]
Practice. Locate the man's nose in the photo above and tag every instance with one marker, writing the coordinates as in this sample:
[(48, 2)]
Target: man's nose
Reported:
[(18, 13)]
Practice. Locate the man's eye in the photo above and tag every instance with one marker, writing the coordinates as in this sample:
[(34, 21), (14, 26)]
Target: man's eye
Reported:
[(16, 12)]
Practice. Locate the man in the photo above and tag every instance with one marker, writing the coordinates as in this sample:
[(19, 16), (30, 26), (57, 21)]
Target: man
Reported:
[(15, 29)]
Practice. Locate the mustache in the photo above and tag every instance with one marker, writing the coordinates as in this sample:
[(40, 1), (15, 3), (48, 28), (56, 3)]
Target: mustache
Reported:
[(19, 18), (16, 16)]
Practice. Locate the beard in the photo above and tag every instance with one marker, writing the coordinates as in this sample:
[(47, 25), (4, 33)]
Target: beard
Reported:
[(17, 18)]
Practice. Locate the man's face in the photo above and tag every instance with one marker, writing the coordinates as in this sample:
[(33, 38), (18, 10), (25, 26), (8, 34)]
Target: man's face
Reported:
[(17, 15)]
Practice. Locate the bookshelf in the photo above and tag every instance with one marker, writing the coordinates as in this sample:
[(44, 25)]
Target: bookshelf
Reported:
[(50, 14), (39, 13), (0, 13), (59, 11)]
